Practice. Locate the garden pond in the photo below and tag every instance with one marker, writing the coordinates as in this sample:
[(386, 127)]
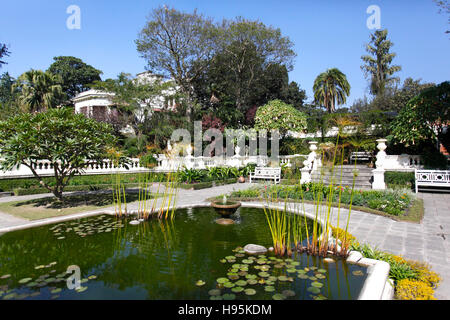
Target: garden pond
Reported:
[(189, 258)]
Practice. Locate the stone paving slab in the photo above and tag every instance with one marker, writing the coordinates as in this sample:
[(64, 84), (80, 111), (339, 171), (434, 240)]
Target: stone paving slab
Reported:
[(427, 241)]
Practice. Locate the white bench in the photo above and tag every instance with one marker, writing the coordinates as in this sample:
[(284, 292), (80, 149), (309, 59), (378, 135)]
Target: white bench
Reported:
[(432, 178), (363, 155), (266, 173)]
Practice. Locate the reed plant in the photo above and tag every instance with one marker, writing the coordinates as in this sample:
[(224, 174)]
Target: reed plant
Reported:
[(319, 240)]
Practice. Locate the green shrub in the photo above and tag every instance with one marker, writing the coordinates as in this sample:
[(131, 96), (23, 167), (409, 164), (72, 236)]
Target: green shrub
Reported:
[(396, 179)]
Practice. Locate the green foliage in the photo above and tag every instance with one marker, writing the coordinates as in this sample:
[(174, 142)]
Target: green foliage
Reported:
[(331, 88), (400, 269), (377, 64), (148, 161), (39, 90), (75, 74), (395, 179), (69, 141), (425, 113), (277, 115)]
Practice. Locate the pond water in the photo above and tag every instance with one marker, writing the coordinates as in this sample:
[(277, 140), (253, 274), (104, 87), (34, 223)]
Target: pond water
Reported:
[(191, 257)]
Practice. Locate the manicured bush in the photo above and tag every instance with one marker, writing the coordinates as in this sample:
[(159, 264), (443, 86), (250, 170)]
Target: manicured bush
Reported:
[(395, 180)]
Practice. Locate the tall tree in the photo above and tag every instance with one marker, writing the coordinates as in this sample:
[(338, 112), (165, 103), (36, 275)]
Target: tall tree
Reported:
[(8, 103), (179, 45), (4, 52), (249, 50), (75, 74), (377, 64), (39, 90), (331, 88)]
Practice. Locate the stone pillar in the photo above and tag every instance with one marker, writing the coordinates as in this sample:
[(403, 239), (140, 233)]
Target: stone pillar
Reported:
[(378, 173), (311, 163)]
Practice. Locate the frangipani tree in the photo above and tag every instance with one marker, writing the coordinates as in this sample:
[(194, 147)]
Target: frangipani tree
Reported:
[(70, 142), (277, 115)]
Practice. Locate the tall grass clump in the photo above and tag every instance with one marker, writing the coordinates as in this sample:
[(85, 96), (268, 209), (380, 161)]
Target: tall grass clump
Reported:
[(319, 241)]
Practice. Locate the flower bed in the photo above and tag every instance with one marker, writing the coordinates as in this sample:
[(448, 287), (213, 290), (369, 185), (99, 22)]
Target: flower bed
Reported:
[(392, 202)]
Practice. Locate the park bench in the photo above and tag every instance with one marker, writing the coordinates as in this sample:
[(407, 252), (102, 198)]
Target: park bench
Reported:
[(266, 173), (360, 156), (432, 178)]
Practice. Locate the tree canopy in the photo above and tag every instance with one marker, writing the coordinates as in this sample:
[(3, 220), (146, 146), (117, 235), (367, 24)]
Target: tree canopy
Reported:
[(39, 90), (331, 88), (75, 75), (70, 142), (424, 117), (277, 115)]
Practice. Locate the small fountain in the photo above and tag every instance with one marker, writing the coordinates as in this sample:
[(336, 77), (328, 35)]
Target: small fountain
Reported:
[(225, 208)]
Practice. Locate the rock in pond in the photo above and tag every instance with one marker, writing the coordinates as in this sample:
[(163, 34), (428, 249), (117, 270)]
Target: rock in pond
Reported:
[(254, 249)]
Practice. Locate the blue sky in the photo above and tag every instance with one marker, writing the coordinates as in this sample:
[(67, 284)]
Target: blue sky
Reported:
[(326, 34)]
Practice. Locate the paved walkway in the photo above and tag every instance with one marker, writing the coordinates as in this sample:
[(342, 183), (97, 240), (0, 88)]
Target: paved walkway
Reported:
[(427, 241)]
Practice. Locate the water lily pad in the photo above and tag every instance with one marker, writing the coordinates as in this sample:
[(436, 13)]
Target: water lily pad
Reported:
[(291, 270), (288, 293), (229, 296), (222, 280), (233, 277), (313, 268), (10, 296), (263, 274), (92, 277), (317, 284), (214, 292), (295, 263), (312, 278), (57, 290), (322, 270), (278, 296), (229, 285), (237, 289), (320, 276), (301, 271), (303, 276), (313, 290), (250, 292), (241, 283), (25, 280), (283, 278), (250, 276), (215, 298), (200, 283), (272, 278), (269, 288), (81, 289), (247, 261), (6, 276), (39, 267), (223, 260), (252, 281)]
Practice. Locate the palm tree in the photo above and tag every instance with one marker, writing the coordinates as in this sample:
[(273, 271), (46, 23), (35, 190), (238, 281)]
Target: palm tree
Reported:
[(331, 88), (39, 90)]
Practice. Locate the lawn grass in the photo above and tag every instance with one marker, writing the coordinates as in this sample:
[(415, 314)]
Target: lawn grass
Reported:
[(47, 207)]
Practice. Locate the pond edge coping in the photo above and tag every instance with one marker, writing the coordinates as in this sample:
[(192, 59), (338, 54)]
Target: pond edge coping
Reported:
[(377, 286)]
